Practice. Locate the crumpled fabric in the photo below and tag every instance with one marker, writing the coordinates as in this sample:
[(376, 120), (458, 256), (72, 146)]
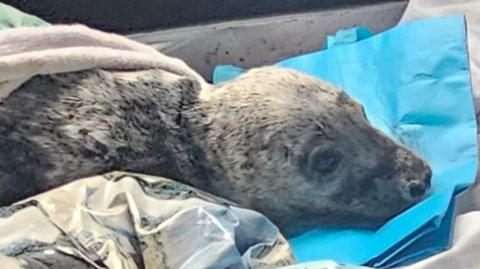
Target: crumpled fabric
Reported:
[(129, 221)]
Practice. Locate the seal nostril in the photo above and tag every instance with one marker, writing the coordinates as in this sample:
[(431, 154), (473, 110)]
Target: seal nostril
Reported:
[(416, 190)]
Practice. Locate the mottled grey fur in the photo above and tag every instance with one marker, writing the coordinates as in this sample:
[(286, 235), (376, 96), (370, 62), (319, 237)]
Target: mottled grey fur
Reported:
[(274, 140)]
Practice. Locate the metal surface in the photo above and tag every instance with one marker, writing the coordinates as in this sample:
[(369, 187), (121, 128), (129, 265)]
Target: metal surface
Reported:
[(127, 16), (254, 42)]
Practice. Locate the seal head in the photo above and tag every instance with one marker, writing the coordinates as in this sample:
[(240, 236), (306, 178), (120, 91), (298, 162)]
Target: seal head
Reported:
[(303, 153)]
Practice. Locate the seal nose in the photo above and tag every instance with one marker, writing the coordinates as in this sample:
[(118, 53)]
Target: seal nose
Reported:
[(416, 190)]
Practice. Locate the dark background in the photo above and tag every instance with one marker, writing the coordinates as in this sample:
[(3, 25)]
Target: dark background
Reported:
[(127, 16)]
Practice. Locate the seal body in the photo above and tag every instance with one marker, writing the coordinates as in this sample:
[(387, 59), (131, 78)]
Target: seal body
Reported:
[(275, 140)]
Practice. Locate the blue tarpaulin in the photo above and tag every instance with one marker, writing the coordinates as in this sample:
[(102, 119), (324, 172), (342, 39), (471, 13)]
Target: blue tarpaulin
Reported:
[(414, 83)]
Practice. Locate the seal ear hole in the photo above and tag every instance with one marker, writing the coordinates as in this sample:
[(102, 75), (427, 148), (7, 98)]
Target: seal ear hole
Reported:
[(321, 130), (323, 161), (286, 153)]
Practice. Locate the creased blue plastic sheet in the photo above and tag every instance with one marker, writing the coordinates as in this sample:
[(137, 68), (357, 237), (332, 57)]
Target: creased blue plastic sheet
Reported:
[(348, 36), (431, 238), (414, 83)]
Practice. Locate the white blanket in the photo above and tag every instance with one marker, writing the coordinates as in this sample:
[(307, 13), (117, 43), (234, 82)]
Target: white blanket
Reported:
[(66, 48)]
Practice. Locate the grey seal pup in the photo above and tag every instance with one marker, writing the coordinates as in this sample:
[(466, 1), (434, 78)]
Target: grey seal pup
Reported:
[(275, 140)]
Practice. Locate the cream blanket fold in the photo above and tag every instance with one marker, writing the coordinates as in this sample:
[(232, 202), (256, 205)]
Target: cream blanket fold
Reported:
[(30, 51)]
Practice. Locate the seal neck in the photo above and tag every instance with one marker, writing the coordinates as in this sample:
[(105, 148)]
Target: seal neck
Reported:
[(204, 169)]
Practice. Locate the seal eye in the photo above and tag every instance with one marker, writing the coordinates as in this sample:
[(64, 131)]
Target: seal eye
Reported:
[(324, 161)]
